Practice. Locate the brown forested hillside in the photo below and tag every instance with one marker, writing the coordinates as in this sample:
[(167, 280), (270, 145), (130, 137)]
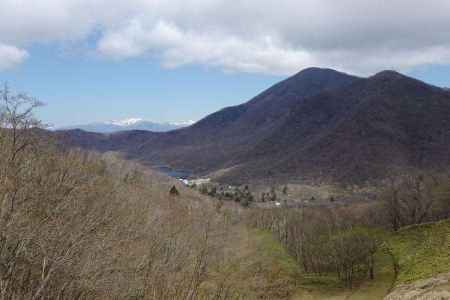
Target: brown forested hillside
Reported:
[(319, 124)]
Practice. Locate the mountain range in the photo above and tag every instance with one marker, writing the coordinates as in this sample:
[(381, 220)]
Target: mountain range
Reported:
[(319, 124), (128, 124)]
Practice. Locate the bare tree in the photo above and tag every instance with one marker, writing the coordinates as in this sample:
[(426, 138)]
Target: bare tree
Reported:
[(411, 198), (79, 225)]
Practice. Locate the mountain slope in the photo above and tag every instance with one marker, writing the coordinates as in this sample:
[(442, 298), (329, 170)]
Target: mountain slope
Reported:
[(318, 124), (360, 131), (213, 142)]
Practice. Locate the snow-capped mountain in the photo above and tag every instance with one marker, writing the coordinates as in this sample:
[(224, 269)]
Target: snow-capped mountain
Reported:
[(126, 122), (129, 124)]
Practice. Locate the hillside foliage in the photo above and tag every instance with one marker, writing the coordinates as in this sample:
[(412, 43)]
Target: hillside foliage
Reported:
[(79, 225)]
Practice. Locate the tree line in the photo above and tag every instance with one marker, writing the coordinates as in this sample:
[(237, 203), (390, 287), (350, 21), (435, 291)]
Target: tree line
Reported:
[(344, 240)]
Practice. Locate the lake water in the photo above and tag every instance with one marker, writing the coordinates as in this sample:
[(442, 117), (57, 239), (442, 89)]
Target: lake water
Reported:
[(179, 174)]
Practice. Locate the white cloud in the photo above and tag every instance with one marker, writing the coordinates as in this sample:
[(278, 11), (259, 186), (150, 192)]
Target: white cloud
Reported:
[(11, 56), (177, 47), (269, 36)]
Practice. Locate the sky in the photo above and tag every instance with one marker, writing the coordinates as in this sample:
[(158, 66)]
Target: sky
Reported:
[(179, 60)]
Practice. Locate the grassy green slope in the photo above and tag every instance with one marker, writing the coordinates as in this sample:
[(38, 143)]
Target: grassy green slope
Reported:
[(422, 250), (261, 268)]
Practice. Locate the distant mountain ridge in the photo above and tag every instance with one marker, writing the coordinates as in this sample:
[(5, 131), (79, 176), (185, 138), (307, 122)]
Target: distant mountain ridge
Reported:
[(319, 124), (128, 124)]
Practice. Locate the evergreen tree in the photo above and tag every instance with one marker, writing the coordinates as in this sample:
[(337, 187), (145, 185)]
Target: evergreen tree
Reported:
[(174, 191)]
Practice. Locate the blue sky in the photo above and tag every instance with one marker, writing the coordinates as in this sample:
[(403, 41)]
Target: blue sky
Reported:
[(79, 89), (179, 60)]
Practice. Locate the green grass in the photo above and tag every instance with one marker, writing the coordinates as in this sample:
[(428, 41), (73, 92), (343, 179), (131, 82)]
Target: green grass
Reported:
[(275, 253), (422, 250)]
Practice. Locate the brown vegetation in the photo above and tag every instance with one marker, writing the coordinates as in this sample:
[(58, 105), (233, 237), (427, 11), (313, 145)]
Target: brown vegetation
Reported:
[(415, 197), (77, 225)]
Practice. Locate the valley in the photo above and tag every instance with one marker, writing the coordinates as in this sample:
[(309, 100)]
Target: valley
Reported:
[(224, 150), (326, 186)]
